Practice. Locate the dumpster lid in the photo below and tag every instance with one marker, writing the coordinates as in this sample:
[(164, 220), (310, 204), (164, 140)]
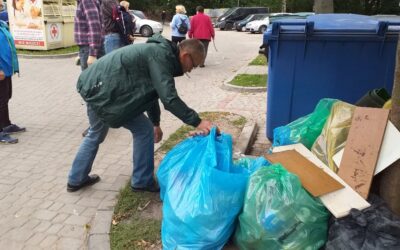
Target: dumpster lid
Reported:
[(335, 24)]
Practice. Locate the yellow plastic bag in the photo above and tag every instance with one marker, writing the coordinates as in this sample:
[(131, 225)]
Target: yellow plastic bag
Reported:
[(388, 104), (334, 134)]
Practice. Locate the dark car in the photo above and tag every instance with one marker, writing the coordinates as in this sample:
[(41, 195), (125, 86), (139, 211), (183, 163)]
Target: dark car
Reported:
[(241, 25), (225, 22)]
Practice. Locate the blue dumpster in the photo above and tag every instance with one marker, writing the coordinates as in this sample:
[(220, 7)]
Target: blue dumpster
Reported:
[(340, 56)]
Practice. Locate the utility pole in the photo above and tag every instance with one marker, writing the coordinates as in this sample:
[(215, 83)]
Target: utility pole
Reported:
[(283, 6)]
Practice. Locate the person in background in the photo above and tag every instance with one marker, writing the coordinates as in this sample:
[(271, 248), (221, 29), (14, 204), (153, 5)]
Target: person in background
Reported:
[(87, 33), (201, 28), (3, 12), (116, 100), (112, 39), (163, 16), (8, 67), (178, 18), (129, 24)]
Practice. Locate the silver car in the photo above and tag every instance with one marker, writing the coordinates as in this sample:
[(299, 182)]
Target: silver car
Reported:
[(144, 26)]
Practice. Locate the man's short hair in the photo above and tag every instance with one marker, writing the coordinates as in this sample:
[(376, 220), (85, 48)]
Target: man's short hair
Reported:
[(193, 46), (200, 9)]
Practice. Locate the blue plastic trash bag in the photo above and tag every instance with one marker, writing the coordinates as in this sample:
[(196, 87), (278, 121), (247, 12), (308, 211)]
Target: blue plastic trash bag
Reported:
[(279, 214), (306, 129), (249, 165), (201, 195)]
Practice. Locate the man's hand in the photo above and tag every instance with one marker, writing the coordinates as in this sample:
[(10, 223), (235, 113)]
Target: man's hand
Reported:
[(158, 134), (91, 60), (2, 75), (131, 38), (203, 128)]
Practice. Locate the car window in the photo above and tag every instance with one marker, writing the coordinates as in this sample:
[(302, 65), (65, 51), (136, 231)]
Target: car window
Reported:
[(249, 18), (260, 17), (138, 13)]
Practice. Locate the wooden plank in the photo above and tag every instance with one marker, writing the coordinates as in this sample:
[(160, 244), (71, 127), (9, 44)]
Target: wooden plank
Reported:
[(390, 150), (313, 179), (340, 202), (362, 148)]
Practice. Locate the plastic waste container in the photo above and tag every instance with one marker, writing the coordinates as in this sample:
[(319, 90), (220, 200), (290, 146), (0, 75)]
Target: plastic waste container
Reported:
[(339, 56), (68, 14)]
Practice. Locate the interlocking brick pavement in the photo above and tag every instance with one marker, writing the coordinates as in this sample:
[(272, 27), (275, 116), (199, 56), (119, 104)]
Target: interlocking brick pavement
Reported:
[(36, 212)]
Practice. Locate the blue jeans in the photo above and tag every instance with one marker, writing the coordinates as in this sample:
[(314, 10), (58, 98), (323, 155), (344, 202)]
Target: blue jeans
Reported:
[(112, 42), (84, 54), (143, 150)]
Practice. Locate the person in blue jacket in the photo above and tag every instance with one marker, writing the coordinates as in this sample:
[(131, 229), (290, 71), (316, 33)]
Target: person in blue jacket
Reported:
[(3, 12), (8, 67), (178, 18)]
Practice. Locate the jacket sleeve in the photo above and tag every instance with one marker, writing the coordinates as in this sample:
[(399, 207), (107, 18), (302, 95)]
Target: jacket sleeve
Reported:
[(188, 22), (173, 23), (192, 27), (154, 113), (164, 84)]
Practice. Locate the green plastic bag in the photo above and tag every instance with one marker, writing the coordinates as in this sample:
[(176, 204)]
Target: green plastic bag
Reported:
[(306, 129), (279, 214)]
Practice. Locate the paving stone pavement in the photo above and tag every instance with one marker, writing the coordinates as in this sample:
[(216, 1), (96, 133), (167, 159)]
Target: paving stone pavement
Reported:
[(36, 212)]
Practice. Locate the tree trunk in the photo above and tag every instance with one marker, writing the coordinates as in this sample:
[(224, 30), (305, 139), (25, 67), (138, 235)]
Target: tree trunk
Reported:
[(323, 6), (390, 177)]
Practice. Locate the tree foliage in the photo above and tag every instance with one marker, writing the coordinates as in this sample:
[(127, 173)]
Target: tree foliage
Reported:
[(367, 7)]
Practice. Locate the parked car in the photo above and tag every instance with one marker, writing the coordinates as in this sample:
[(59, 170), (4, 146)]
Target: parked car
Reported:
[(241, 25), (144, 26), (260, 26), (225, 22)]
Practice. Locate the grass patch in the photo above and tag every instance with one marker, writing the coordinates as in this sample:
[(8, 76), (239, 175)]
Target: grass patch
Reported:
[(131, 228), (240, 122), (59, 51), (259, 60), (248, 80)]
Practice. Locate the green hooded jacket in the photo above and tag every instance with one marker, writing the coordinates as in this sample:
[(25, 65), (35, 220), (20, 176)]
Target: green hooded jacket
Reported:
[(130, 80)]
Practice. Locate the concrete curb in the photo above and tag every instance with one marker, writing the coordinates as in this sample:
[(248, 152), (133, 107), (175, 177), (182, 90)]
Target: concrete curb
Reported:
[(99, 233), (74, 54), (246, 138), (228, 86)]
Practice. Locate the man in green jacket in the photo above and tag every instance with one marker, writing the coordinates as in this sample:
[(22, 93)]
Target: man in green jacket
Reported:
[(119, 88)]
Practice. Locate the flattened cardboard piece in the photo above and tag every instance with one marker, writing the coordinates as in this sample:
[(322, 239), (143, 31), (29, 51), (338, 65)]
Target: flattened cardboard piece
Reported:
[(313, 178), (362, 148), (340, 202), (390, 150)]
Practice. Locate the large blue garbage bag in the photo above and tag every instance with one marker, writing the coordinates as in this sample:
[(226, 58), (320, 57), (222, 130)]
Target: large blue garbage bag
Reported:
[(202, 195)]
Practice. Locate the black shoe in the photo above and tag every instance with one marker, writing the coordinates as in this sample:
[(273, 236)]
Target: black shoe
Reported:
[(202, 66), (153, 189), (84, 133), (13, 129), (6, 139), (94, 178)]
